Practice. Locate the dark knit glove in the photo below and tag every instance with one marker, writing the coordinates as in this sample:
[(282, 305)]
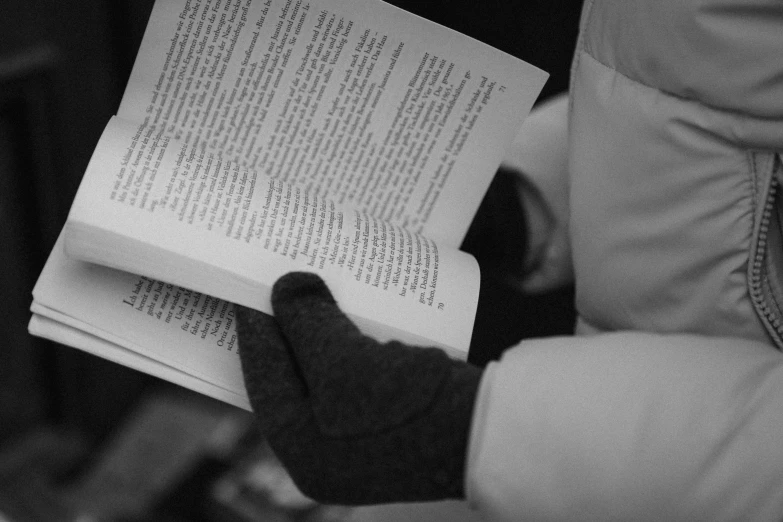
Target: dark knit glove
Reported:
[(354, 421)]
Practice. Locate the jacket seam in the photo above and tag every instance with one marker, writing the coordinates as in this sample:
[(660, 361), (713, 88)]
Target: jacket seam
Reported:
[(587, 9), (754, 179), (715, 109), (582, 48), (580, 45)]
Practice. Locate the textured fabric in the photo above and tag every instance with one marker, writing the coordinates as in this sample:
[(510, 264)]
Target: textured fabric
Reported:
[(354, 421)]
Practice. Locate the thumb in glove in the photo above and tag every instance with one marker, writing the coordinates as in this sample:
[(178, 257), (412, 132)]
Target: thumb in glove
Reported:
[(354, 421)]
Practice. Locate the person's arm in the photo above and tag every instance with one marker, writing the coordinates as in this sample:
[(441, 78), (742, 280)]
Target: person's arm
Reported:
[(630, 426), (625, 426), (538, 159)]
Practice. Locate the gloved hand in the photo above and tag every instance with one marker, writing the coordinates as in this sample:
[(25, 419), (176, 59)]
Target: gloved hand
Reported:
[(354, 421)]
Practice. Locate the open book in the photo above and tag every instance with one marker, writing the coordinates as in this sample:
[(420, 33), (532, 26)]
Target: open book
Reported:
[(256, 137)]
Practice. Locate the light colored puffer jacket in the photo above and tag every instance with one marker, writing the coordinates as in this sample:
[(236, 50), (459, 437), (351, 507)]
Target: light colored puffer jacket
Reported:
[(677, 123), (668, 405)]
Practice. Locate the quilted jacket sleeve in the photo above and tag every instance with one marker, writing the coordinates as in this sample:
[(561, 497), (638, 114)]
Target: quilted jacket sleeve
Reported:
[(630, 426)]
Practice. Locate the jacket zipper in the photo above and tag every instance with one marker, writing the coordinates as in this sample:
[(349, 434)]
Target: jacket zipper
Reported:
[(761, 291)]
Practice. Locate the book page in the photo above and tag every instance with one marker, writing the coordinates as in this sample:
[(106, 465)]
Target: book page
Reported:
[(180, 328), (355, 100), (43, 325), (175, 212)]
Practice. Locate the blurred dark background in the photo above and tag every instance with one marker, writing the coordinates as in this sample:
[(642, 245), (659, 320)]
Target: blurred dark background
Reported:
[(63, 68)]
